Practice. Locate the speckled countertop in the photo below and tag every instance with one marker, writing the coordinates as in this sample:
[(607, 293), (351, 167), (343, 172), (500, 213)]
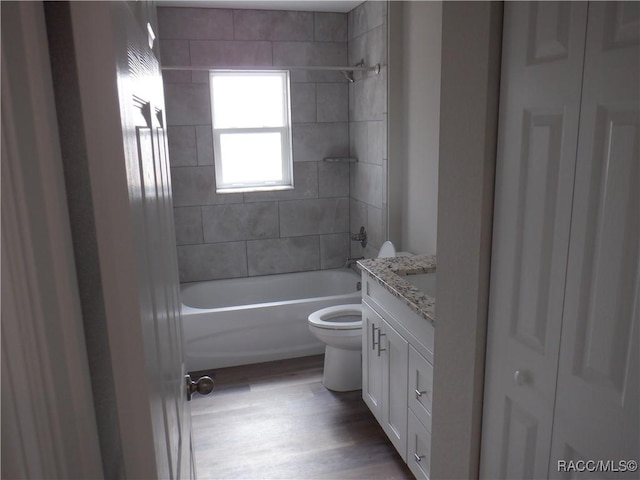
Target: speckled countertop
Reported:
[(389, 273)]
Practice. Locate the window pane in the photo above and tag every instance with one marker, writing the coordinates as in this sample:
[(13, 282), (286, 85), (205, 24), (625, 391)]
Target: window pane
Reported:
[(248, 101), (251, 157)]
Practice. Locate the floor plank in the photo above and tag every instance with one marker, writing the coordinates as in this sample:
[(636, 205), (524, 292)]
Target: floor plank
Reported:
[(276, 420)]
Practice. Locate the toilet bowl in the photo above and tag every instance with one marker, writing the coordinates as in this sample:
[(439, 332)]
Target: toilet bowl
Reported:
[(340, 328)]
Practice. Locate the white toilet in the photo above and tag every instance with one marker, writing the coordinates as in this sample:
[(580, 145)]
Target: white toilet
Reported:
[(340, 328)]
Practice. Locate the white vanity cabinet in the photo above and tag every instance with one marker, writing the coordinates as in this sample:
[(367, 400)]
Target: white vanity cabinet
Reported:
[(385, 362), (397, 377)]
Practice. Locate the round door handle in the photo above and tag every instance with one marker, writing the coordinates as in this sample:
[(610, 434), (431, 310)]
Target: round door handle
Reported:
[(204, 386), (520, 377)]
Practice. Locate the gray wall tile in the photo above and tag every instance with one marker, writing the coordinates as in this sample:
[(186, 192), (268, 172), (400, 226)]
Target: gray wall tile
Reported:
[(317, 76), (195, 23), (188, 224), (358, 218), (241, 221), (187, 104), (333, 179), (376, 136), (358, 138), (312, 217), (375, 232), (333, 102), (176, 77), (367, 98), (212, 261), (309, 53), (357, 49), (305, 180), (376, 46), (330, 27), (366, 183), (334, 250), (174, 52), (371, 47), (367, 34), (365, 17), (230, 53), (357, 22), (182, 146), (196, 186), (204, 144), (272, 25), (198, 76), (303, 102), (313, 142), (283, 255), (187, 36)]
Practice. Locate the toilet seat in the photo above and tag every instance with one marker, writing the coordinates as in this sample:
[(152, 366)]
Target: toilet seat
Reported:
[(329, 317)]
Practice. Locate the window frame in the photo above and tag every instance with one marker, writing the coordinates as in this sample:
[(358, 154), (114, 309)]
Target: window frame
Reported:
[(285, 136)]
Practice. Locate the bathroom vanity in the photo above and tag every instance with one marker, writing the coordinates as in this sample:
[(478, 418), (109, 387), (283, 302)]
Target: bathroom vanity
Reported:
[(398, 313)]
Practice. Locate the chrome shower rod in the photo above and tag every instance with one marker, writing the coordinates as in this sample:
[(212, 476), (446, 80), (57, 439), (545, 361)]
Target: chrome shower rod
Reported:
[(375, 68)]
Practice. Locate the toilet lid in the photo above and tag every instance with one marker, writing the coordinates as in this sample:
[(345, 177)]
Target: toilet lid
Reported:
[(387, 250), (337, 317)]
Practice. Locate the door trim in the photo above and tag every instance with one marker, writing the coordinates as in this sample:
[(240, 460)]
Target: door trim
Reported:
[(48, 427)]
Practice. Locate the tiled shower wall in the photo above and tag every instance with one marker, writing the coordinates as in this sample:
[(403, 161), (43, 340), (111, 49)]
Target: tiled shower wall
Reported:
[(237, 235), (367, 27)]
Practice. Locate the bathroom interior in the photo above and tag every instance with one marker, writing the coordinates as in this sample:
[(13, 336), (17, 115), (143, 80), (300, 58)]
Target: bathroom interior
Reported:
[(338, 210), (490, 145), (363, 175)]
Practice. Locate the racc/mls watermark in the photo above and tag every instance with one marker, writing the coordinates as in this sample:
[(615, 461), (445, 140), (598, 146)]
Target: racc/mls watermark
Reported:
[(613, 466)]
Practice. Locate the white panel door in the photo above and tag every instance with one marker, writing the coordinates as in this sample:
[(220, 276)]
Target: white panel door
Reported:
[(597, 409), (543, 46), (131, 192)]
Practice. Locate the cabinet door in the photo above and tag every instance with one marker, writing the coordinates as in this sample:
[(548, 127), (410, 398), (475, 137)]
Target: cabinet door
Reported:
[(395, 366), (371, 361), (597, 412), (543, 49)]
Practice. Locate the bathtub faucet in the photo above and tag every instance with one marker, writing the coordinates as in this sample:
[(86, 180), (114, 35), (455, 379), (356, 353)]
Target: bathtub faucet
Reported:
[(351, 261)]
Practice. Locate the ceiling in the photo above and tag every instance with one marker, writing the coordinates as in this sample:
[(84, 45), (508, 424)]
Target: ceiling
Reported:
[(342, 6)]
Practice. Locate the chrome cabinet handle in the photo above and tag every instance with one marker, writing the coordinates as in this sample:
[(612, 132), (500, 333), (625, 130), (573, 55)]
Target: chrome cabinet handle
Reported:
[(418, 457), (373, 336), (420, 393), (380, 334)]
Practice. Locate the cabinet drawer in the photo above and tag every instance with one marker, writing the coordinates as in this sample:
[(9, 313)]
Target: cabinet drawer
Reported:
[(418, 448), (420, 388)]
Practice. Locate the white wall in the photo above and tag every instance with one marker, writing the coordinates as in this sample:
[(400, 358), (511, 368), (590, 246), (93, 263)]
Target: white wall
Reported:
[(471, 39), (415, 30)]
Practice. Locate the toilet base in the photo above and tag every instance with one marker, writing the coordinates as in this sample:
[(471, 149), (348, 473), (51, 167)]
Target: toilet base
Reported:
[(342, 369)]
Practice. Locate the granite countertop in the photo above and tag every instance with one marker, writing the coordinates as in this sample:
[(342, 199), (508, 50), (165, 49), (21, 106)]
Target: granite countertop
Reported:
[(389, 273)]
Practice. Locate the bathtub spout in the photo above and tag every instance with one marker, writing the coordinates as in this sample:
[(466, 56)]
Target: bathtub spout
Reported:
[(351, 261)]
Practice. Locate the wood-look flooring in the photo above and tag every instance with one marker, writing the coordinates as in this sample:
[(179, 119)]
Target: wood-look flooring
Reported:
[(277, 421)]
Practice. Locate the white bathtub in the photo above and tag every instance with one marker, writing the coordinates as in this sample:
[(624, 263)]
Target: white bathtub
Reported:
[(259, 319)]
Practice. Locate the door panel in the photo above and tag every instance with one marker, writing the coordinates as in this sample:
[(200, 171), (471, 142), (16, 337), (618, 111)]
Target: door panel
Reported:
[(123, 117), (597, 409), (371, 361), (395, 367), (543, 44)]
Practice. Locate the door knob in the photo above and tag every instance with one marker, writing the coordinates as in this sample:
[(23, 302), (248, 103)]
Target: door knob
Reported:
[(520, 377), (204, 386)]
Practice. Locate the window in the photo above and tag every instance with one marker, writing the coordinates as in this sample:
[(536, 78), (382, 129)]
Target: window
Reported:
[(251, 130)]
